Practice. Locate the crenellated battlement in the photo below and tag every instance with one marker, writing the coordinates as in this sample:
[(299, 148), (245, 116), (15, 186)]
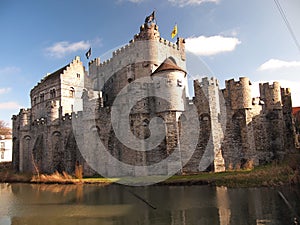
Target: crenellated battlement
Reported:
[(243, 82), (147, 32), (238, 93), (205, 81), (286, 92), (64, 70), (123, 49), (95, 61), (271, 95), (147, 39)]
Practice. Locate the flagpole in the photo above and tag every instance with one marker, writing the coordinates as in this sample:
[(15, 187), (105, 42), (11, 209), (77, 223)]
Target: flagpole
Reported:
[(177, 30)]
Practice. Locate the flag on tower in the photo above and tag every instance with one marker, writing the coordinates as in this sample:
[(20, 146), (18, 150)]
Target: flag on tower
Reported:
[(88, 53), (150, 18), (174, 31)]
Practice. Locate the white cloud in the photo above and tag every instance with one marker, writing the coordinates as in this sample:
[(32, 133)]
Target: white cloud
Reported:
[(62, 48), (183, 3), (213, 45), (4, 90), (10, 105), (275, 64), (9, 70), (132, 1), (136, 1)]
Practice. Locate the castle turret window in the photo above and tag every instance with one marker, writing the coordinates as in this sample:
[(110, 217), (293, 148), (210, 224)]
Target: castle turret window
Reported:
[(42, 97), (72, 92), (52, 93), (179, 83)]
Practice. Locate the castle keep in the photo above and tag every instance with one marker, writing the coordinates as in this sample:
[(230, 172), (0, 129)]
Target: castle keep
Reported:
[(135, 106)]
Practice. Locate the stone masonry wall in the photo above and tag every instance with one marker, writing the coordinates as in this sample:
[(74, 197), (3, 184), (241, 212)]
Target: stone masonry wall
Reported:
[(72, 111)]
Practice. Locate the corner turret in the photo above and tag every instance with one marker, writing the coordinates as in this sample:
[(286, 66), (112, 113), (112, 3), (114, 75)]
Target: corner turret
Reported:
[(238, 93), (147, 32), (173, 87), (270, 94)]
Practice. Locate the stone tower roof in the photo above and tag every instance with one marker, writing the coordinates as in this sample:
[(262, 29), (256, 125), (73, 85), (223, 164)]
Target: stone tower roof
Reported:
[(57, 72), (168, 64)]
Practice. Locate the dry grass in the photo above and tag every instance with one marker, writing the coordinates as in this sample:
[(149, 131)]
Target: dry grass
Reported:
[(65, 178), (54, 178), (287, 172)]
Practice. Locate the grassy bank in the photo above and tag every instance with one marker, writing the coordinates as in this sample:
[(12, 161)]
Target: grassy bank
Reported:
[(287, 172)]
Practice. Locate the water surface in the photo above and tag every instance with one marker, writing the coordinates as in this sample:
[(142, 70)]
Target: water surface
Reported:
[(34, 204)]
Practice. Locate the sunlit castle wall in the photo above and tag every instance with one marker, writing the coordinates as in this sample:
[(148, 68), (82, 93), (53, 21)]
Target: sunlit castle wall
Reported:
[(61, 89), (140, 58), (173, 90)]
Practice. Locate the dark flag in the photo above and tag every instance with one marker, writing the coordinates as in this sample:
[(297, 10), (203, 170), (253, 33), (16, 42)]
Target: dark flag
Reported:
[(150, 18), (88, 53)]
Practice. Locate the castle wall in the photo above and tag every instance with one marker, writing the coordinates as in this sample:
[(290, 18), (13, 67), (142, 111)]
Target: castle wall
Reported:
[(130, 63), (273, 119), (62, 152), (40, 96), (71, 111), (72, 84), (289, 129), (208, 154), (61, 88)]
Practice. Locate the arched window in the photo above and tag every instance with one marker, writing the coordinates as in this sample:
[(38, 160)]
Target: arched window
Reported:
[(52, 93), (34, 100), (42, 97), (72, 92)]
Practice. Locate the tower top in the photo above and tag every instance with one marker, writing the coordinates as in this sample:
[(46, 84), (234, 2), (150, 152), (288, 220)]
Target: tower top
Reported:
[(148, 31)]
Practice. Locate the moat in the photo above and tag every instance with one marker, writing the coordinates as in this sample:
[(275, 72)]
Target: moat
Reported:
[(115, 204)]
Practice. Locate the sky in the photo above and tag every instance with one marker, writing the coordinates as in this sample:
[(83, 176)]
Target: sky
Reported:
[(224, 38)]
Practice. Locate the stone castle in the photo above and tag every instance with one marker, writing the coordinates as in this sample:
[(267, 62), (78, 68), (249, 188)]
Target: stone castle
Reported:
[(147, 80)]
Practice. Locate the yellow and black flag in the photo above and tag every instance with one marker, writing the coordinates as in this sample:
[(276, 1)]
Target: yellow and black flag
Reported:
[(174, 31)]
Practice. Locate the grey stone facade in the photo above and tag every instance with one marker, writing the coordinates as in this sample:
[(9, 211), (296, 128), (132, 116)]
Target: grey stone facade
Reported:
[(72, 117)]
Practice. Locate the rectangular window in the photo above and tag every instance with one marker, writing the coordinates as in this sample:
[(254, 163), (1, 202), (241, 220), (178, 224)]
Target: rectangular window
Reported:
[(179, 83), (42, 95), (2, 145), (2, 154)]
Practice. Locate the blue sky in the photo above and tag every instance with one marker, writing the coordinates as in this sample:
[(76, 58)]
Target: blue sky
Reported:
[(227, 38)]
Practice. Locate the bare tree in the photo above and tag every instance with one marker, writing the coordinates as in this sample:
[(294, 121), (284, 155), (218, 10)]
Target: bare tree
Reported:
[(4, 129)]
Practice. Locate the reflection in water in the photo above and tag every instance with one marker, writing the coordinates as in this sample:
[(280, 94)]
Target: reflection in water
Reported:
[(116, 204), (223, 205)]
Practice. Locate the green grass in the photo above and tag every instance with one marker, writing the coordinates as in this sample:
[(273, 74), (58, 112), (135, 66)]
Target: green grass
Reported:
[(287, 172), (268, 175)]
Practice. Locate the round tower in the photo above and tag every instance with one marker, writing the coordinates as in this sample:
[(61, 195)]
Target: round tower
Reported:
[(271, 95), (171, 86), (239, 93)]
